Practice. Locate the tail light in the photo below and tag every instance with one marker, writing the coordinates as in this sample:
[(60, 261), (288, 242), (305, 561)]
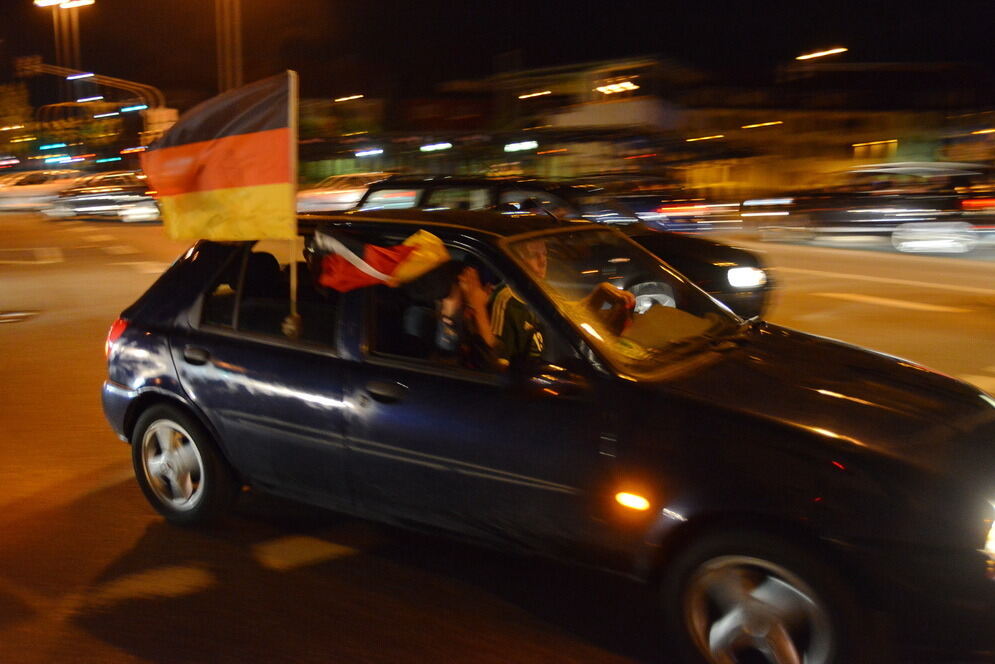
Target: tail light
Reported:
[(682, 209), (117, 329), (977, 203)]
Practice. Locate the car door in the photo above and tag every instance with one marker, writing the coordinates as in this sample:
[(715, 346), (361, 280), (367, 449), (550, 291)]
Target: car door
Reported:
[(439, 443), (276, 402)]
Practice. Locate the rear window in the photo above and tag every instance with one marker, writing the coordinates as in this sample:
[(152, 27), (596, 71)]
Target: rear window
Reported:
[(392, 199)]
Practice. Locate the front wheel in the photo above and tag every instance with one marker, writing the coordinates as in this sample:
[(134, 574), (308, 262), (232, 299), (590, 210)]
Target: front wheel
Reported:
[(179, 468), (752, 597)]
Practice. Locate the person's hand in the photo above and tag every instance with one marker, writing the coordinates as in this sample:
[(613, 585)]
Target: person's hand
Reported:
[(473, 291)]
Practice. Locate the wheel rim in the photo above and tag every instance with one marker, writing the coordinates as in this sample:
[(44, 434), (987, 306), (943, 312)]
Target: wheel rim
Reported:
[(172, 465), (742, 609)]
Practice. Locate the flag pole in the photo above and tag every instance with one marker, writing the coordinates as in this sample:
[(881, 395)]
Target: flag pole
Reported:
[(292, 326)]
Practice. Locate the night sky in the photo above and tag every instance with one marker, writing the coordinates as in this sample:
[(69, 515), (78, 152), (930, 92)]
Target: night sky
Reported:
[(401, 48)]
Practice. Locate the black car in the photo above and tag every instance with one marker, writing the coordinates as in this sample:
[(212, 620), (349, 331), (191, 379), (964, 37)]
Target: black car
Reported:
[(662, 203), (782, 492), (732, 275), (919, 206), (121, 195)]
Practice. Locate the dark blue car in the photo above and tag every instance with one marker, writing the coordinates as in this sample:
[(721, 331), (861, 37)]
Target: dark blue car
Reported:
[(792, 498)]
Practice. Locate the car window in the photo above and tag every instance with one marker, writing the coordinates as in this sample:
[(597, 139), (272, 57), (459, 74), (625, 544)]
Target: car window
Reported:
[(427, 321), (536, 200), (392, 199), (252, 295), (459, 198), (34, 178)]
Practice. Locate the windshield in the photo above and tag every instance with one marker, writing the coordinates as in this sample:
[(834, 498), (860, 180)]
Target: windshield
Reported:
[(638, 312)]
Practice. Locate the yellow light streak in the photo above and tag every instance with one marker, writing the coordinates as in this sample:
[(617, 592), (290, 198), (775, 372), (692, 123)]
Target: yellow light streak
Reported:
[(762, 124), (819, 54), (704, 138)]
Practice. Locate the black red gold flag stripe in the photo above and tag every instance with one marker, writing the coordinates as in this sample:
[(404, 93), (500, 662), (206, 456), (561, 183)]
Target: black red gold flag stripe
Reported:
[(228, 169)]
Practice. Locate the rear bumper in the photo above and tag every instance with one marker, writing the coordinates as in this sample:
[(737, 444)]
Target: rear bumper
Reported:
[(115, 399)]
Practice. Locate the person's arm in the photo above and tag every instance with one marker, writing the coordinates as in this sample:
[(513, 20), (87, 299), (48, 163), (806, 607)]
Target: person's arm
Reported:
[(475, 299)]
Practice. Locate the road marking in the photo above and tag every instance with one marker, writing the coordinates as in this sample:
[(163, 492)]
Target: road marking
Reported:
[(170, 581), (145, 267), (99, 237), (37, 256), (120, 249), (987, 383), (297, 551), (888, 302), (889, 280)]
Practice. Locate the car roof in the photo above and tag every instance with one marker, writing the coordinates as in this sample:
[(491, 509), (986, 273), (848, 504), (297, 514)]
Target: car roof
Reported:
[(492, 223)]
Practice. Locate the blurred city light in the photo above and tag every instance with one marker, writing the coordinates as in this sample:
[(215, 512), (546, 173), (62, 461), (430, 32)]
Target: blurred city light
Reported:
[(70, 4), (984, 131), (11, 161), (51, 146), (762, 124), (890, 140), (106, 115), (535, 94), (624, 86), (704, 138), (433, 147), (140, 148), (74, 77), (23, 139), (11, 127), (349, 98), (819, 54), (136, 107), (521, 145), (106, 159), (372, 152), (48, 3), (83, 100)]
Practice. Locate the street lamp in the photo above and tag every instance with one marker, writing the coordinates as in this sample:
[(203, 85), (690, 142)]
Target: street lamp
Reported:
[(65, 25)]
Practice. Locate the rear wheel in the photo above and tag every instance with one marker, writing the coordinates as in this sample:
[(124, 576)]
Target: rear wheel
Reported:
[(757, 598), (179, 468)]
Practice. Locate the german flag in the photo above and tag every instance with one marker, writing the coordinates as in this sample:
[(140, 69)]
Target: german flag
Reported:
[(228, 169), (349, 263)]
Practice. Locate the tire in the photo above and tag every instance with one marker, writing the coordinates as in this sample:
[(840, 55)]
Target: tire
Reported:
[(754, 597), (192, 483)]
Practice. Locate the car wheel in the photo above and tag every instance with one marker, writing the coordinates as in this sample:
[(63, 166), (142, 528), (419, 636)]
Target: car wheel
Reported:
[(752, 597), (179, 468)]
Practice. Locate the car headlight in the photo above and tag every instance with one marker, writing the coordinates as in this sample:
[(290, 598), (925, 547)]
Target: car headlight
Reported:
[(746, 277)]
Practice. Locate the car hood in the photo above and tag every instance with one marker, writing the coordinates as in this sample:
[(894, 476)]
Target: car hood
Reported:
[(848, 397)]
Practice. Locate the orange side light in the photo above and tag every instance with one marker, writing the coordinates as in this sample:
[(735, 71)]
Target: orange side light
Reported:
[(632, 501)]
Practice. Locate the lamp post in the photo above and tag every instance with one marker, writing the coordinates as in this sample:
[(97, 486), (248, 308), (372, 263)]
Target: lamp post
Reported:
[(65, 26), (228, 29)]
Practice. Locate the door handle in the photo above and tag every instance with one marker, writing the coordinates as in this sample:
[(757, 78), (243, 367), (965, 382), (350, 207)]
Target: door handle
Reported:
[(386, 391), (196, 355)]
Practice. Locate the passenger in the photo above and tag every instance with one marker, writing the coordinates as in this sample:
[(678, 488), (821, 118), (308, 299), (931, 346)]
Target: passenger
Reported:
[(514, 324)]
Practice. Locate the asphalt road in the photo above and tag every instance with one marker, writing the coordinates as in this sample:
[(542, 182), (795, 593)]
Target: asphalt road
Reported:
[(88, 573)]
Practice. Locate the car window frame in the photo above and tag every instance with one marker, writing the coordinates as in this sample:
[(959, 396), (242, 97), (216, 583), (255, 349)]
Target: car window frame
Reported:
[(195, 316)]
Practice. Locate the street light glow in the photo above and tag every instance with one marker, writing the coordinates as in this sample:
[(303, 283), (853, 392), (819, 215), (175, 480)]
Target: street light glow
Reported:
[(71, 4), (434, 147), (704, 138), (762, 124), (819, 54), (535, 94), (83, 100), (106, 115), (75, 77), (136, 107), (349, 98), (48, 3)]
